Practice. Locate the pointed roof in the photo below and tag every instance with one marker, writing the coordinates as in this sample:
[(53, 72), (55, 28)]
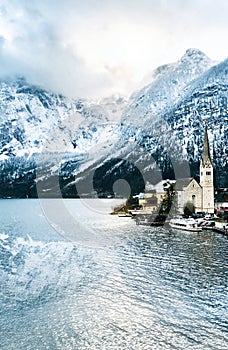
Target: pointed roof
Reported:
[(206, 149), (184, 182)]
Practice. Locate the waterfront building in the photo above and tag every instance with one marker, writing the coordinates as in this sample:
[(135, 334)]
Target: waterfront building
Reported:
[(198, 197), (152, 199)]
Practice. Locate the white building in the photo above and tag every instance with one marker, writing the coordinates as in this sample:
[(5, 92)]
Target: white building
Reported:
[(207, 178), (188, 193), (199, 197)]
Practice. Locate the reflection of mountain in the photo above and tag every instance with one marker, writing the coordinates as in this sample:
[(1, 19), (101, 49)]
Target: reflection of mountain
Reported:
[(140, 139)]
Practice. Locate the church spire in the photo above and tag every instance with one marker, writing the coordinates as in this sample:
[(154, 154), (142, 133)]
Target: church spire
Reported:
[(206, 150), (207, 177)]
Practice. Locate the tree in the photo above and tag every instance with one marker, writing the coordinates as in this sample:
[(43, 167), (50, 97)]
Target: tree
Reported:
[(132, 202), (189, 209), (169, 200)]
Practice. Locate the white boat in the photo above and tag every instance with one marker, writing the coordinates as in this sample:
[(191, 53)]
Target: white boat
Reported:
[(185, 224)]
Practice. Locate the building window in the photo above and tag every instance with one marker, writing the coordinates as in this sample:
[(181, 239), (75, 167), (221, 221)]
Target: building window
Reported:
[(193, 199), (208, 173), (201, 173)]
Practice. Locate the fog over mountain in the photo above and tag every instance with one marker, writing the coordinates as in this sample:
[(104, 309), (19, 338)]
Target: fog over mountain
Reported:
[(66, 146)]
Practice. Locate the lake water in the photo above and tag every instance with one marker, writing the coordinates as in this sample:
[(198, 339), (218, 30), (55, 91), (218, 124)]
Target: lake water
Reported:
[(113, 285)]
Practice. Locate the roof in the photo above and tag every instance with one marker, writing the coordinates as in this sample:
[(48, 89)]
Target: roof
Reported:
[(181, 183), (206, 149), (159, 187)]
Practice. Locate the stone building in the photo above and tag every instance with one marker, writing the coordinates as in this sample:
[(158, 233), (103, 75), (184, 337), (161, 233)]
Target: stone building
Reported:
[(188, 193), (198, 196)]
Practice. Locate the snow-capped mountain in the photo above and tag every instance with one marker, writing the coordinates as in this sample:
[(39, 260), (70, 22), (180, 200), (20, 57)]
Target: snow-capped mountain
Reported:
[(30, 115), (167, 87), (157, 133), (35, 123), (204, 101), (166, 119)]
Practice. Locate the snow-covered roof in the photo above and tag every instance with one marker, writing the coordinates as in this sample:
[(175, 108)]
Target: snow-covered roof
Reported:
[(159, 187)]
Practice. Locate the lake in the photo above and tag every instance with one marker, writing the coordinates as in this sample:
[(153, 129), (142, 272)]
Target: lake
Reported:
[(74, 277)]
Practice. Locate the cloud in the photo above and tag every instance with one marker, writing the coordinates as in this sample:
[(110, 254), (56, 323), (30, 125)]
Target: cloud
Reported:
[(33, 45), (93, 48)]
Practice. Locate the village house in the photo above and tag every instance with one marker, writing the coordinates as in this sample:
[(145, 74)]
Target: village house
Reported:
[(152, 199)]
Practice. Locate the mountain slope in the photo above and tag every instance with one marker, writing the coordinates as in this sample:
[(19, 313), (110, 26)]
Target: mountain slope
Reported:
[(35, 122), (163, 126), (167, 87), (63, 143)]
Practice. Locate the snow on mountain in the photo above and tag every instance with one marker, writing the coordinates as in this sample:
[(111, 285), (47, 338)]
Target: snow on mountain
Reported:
[(166, 88), (145, 118), (43, 135), (162, 127), (35, 122), (31, 116), (204, 101), (166, 119)]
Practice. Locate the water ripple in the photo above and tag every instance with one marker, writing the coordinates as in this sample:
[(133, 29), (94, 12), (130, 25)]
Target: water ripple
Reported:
[(151, 289)]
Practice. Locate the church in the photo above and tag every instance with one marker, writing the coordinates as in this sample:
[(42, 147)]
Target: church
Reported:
[(198, 197)]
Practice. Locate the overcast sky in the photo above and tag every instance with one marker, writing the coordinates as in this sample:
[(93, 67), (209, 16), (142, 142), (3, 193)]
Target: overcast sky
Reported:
[(93, 48)]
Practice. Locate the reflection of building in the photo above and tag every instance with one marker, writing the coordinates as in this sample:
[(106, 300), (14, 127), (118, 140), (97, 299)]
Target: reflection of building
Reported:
[(198, 197)]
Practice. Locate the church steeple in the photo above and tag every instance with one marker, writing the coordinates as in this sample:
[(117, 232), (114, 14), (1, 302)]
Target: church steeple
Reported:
[(206, 177), (206, 157)]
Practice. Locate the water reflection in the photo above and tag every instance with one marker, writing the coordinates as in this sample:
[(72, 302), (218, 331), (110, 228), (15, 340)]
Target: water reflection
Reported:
[(145, 288)]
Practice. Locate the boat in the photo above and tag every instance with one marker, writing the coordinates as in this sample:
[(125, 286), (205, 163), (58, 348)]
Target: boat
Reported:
[(185, 224), (208, 225)]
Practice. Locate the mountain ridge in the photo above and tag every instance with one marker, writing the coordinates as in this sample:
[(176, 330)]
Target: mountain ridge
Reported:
[(145, 137)]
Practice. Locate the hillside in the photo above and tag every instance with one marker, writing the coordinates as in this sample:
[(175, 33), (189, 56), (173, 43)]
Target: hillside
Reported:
[(76, 147)]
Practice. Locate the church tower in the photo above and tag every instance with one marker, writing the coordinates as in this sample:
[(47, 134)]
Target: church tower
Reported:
[(206, 177)]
